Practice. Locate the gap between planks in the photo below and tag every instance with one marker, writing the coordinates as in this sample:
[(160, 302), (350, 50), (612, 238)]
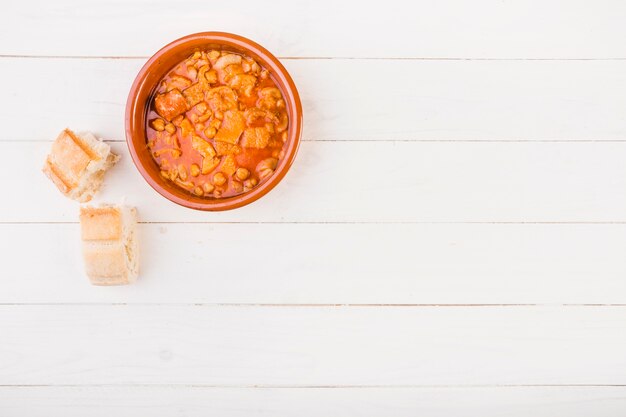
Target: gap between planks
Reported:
[(581, 222), (344, 58), (272, 386), (320, 305), (388, 140)]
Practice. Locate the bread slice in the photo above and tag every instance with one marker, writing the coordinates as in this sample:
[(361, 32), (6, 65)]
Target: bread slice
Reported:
[(77, 163), (110, 248)]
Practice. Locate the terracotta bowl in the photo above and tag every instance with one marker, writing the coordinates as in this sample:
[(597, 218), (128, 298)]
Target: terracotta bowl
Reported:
[(144, 86)]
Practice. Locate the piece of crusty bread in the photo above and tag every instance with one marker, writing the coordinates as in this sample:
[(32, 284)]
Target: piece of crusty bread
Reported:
[(110, 248), (77, 163)]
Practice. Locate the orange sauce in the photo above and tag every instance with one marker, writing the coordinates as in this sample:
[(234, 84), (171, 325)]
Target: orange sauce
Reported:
[(217, 124)]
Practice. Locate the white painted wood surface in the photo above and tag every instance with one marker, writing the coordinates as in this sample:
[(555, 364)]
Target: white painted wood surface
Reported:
[(480, 271), (312, 346), (195, 401), (348, 100), (575, 29), (333, 264), (412, 182)]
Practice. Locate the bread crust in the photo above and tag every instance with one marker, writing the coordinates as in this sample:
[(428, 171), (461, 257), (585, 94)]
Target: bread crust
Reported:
[(105, 264), (70, 165), (109, 244), (100, 223)]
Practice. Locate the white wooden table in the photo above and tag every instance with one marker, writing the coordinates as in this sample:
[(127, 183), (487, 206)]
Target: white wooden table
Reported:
[(451, 240)]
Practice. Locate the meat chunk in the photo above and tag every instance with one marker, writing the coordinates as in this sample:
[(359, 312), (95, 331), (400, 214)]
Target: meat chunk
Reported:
[(225, 148), (231, 128), (194, 94), (229, 166), (186, 127), (203, 147), (254, 115), (227, 59), (221, 98), (209, 164), (243, 83), (206, 75), (170, 104), (268, 98), (255, 137), (179, 82)]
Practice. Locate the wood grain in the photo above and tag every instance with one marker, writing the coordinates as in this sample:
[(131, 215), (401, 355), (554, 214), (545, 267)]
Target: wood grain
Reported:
[(129, 401), (331, 264), (312, 346), (335, 182), (451, 29), (495, 213), (354, 100)]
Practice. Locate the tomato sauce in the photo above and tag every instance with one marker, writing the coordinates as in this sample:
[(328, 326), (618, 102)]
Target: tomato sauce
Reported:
[(217, 124)]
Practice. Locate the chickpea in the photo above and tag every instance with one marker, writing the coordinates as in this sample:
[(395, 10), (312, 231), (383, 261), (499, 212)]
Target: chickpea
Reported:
[(194, 118), (208, 187), (255, 68), (245, 65), (199, 127), (201, 107), (217, 193), (237, 186), (209, 132), (176, 121), (219, 179), (219, 115), (195, 170), (170, 128), (266, 172), (242, 173), (158, 125), (264, 74), (280, 104), (249, 184), (206, 116), (182, 172), (215, 123), (211, 76), (213, 55), (186, 185), (283, 136), (198, 191)]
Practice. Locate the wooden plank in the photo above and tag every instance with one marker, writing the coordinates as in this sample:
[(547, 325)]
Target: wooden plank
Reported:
[(411, 100), (371, 182), (311, 346), (330, 264), (307, 402), (454, 28)]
